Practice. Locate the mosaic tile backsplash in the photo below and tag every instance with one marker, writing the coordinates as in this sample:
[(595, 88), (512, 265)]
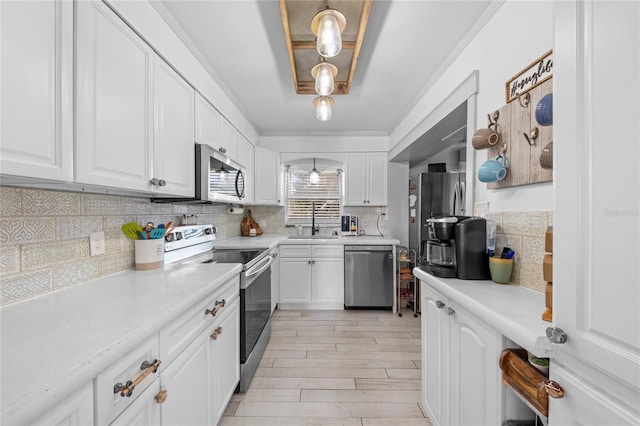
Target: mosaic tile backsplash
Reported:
[(524, 233), (44, 235)]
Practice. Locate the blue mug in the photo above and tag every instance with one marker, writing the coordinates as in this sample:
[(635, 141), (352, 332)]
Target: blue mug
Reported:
[(544, 110), (493, 170)]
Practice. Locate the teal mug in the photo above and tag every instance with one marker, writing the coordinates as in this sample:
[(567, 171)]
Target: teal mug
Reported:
[(493, 170)]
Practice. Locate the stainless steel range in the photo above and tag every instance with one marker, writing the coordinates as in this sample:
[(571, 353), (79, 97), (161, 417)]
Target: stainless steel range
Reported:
[(195, 244)]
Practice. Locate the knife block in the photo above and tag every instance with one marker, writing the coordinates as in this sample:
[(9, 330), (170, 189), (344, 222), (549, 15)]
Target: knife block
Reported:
[(547, 274)]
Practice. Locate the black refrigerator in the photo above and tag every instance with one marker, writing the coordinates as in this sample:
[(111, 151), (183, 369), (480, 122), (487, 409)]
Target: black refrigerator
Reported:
[(433, 194)]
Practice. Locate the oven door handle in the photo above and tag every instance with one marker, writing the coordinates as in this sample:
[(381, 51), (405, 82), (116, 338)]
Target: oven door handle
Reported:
[(259, 268)]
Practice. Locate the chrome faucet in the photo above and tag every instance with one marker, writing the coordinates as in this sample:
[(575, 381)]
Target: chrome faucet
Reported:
[(313, 218)]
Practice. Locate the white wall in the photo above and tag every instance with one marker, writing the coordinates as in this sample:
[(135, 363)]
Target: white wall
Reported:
[(347, 143), (518, 33)]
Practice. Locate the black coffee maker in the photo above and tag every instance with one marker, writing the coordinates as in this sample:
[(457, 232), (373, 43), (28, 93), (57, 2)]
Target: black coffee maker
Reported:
[(457, 248)]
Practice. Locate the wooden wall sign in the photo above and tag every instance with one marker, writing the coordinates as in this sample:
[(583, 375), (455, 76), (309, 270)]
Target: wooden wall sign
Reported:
[(533, 75)]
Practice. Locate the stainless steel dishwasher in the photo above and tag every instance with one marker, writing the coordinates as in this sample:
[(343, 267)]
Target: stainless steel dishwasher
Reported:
[(368, 276)]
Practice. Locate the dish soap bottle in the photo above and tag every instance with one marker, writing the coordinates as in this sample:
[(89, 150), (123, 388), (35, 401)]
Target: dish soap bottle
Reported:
[(300, 230)]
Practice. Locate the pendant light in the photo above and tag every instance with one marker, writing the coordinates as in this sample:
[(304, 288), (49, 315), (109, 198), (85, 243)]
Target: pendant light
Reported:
[(314, 176), (323, 107), (324, 73), (327, 25)]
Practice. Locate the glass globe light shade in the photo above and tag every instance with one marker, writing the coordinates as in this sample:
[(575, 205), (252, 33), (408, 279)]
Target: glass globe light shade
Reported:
[(327, 26), (323, 107), (324, 73)]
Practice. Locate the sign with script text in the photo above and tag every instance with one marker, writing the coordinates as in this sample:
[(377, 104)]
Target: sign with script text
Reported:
[(534, 74)]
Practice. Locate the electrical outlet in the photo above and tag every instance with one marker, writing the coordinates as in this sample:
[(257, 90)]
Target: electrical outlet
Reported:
[(96, 243)]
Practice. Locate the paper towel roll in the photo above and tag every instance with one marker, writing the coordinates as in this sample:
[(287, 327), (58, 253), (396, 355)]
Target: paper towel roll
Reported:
[(235, 210)]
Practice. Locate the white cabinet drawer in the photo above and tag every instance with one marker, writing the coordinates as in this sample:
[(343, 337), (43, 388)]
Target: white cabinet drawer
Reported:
[(295, 250), (110, 404), (327, 251), (76, 410), (175, 337)]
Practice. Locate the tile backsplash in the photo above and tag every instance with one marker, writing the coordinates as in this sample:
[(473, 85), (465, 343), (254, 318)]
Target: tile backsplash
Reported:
[(524, 233), (44, 236)]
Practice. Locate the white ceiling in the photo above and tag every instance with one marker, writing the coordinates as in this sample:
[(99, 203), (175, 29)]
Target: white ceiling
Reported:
[(241, 42)]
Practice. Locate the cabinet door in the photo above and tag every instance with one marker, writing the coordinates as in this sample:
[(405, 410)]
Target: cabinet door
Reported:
[(144, 411), (187, 383), (295, 280), (77, 410), (356, 180), (228, 139), (474, 396), (37, 89), (225, 358), (173, 141), (377, 179), (327, 281), (435, 362), (113, 101), (583, 405), (596, 224), (207, 123), (267, 177), (245, 157)]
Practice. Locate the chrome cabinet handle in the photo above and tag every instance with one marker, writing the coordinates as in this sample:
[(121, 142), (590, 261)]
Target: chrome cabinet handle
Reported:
[(450, 311), (222, 150), (440, 304), (556, 335), (158, 182)]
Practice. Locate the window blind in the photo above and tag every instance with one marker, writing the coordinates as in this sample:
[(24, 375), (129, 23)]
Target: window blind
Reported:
[(301, 194)]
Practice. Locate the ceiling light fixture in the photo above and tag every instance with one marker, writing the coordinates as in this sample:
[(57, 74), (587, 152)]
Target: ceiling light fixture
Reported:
[(327, 25), (314, 176), (324, 73), (323, 107)]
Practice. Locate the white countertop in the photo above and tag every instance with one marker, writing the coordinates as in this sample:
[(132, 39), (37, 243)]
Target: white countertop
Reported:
[(512, 310), (273, 240), (54, 344)]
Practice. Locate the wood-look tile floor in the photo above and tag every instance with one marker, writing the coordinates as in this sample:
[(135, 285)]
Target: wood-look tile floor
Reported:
[(353, 367)]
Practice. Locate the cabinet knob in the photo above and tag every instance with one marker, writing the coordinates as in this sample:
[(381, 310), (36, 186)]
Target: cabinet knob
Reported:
[(450, 311), (158, 182), (216, 333), (556, 335), (439, 304), (161, 397), (222, 150), (554, 390)]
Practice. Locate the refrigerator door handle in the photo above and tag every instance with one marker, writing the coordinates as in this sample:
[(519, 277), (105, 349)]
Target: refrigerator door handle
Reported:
[(454, 199), (463, 197)]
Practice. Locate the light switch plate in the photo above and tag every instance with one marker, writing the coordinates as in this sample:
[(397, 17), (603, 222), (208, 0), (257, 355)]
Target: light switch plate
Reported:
[(96, 243)]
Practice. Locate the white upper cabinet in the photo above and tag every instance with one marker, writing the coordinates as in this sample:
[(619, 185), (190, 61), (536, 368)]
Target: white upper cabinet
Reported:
[(246, 158), (37, 89), (131, 133), (267, 177), (228, 143), (173, 144), (114, 113), (597, 198), (366, 179), (207, 123)]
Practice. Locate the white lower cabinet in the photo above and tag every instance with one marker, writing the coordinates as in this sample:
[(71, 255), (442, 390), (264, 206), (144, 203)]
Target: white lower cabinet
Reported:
[(311, 277), (144, 411), (275, 280), (224, 356), (461, 377), (77, 410), (197, 377)]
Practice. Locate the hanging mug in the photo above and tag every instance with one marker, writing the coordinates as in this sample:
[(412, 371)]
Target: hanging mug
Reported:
[(485, 138), (544, 110), (493, 170)]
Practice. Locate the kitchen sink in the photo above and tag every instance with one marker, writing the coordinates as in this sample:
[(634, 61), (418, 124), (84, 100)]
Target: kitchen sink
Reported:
[(313, 237)]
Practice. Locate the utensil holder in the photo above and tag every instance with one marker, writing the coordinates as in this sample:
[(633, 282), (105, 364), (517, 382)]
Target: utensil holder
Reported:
[(149, 254), (500, 269)]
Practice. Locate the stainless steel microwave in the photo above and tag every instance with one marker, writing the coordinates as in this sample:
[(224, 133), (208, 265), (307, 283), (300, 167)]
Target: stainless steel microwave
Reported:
[(218, 179)]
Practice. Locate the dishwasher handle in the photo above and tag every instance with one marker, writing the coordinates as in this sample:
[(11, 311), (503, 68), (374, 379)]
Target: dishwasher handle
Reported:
[(366, 248)]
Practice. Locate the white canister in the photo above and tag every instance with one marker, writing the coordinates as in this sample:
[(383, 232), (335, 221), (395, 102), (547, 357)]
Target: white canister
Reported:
[(149, 254)]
